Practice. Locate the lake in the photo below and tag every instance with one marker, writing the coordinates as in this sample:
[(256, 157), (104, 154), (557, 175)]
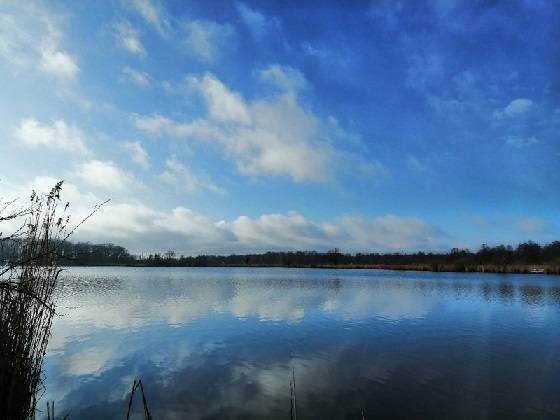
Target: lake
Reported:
[(213, 343)]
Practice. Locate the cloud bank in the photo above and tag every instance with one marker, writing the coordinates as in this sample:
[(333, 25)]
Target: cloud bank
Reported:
[(273, 135), (144, 228)]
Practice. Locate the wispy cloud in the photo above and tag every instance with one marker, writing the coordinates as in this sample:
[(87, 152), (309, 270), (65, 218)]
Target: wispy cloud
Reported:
[(515, 108), (416, 164), (153, 13), (525, 225), (532, 225), (257, 23), (185, 179), (521, 142), (128, 37), (335, 60), (137, 153), (286, 78), (30, 36), (223, 104), (139, 78), (269, 136), (206, 39), (59, 63), (518, 106)]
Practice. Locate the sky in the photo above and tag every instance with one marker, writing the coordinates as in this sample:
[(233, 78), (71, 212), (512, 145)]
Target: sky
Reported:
[(247, 126)]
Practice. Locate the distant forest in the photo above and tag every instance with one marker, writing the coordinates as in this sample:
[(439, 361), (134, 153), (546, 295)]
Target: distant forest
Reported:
[(522, 258)]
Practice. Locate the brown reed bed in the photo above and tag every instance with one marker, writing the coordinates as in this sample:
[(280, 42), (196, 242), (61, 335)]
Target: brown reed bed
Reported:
[(453, 268)]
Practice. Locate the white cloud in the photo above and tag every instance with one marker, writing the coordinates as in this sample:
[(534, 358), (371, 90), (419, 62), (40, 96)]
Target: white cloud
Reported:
[(156, 124), (206, 39), (138, 77), (222, 103), (194, 226), (138, 154), (274, 135), (515, 108), (14, 40), (53, 60), (58, 135), (278, 230), (59, 63), (257, 23), (154, 14), (128, 38), (30, 36), (282, 143), (182, 229), (518, 106), (185, 179), (188, 232), (104, 174), (141, 227)]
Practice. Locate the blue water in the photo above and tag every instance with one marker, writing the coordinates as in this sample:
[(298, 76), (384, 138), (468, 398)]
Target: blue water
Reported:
[(213, 343)]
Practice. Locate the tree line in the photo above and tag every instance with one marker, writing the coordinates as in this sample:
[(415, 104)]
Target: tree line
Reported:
[(524, 254)]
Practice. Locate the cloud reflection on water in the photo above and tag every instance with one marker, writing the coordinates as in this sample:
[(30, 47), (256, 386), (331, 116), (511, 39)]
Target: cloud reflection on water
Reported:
[(229, 339), (182, 300)]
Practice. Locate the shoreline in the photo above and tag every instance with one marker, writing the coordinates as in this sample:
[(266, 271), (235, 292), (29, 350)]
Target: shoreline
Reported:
[(435, 268)]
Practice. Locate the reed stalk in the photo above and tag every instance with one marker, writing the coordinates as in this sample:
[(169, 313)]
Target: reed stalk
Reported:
[(28, 278)]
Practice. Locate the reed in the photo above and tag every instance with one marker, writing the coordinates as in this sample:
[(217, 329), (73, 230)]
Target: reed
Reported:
[(453, 267), (137, 384), (293, 401), (27, 282)]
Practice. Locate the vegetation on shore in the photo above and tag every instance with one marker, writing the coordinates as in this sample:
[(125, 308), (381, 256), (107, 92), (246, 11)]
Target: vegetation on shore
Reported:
[(524, 258)]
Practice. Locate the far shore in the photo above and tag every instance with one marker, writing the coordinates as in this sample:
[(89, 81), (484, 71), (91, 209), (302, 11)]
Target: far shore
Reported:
[(436, 268)]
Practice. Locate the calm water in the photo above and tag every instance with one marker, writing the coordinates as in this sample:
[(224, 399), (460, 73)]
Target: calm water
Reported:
[(221, 343)]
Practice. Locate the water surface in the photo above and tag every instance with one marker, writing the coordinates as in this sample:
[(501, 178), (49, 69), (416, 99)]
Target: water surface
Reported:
[(213, 343)]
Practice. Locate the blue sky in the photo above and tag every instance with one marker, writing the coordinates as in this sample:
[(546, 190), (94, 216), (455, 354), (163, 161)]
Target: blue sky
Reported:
[(248, 126)]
